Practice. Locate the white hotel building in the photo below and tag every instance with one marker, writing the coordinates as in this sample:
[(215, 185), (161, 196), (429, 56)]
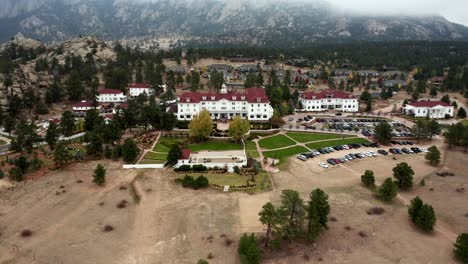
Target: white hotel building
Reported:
[(111, 96), (431, 109), (253, 105), (140, 88), (329, 100)]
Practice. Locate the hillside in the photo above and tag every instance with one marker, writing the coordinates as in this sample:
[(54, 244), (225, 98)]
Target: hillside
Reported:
[(261, 23)]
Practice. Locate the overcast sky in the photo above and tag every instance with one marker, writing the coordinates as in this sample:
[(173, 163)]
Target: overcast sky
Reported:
[(454, 10)]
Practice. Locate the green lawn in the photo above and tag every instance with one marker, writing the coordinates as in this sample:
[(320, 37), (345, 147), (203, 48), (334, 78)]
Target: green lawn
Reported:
[(214, 145), (283, 154), (464, 122), (332, 143), (262, 180), (2, 142), (150, 161), (155, 156), (251, 149), (309, 137), (278, 141), (164, 144)]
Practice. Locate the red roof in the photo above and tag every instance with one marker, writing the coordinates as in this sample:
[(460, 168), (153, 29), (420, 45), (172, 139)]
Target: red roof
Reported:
[(327, 94), (251, 95), (186, 154), (429, 104), (109, 91), (140, 85), (83, 104), (109, 116), (122, 106), (55, 121)]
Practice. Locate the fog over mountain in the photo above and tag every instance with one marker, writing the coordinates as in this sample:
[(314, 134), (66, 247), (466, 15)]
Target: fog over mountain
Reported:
[(261, 22)]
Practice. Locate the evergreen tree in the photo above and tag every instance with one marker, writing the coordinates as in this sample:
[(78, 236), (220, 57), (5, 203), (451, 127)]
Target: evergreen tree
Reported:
[(461, 113), (269, 217), (404, 175), (248, 250), (99, 175), (415, 207), (319, 199), (130, 150), (292, 212), (174, 154), (425, 218), (52, 135), (61, 155), (368, 178), (433, 155), (388, 190), (461, 246), (383, 132), (67, 123)]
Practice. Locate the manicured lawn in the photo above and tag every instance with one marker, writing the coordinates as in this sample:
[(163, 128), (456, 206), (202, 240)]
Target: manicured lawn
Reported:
[(251, 149), (155, 156), (214, 145), (164, 144), (464, 122), (283, 154), (278, 141), (150, 161), (332, 143), (223, 179), (309, 137)]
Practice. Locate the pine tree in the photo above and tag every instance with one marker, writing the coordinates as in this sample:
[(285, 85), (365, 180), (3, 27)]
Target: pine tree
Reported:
[(388, 190), (425, 218), (99, 175), (433, 155), (404, 175), (368, 178), (461, 112), (461, 247), (415, 207), (319, 199), (269, 217)]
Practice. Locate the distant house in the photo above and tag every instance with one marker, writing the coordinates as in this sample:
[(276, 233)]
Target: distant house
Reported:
[(300, 62), (314, 74), (437, 81), (368, 73), (221, 159), (177, 69), (140, 88), (220, 68), (84, 106), (241, 59), (393, 83), (393, 74), (247, 68), (342, 72), (271, 67), (111, 96), (431, 109), (329, 100)]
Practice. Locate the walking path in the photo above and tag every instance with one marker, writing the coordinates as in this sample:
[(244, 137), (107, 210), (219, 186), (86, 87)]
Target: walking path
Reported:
[(145, 151)]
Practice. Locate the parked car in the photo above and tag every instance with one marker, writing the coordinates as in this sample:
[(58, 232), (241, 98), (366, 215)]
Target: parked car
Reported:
[(383, 152), (405, 150), (291, 119), (302, 157), (331, 161), (323, 165)]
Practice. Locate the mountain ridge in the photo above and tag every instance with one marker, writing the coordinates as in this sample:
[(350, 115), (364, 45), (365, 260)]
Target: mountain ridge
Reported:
[(261, 23)]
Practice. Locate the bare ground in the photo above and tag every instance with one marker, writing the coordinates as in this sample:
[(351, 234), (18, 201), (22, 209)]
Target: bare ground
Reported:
[(170, 224)]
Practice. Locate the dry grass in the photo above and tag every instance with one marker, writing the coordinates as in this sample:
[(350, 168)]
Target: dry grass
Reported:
[(375, 211), (333, 219), (348, 228), (362, 234), (79, 181), (210, 255), (123, 188)]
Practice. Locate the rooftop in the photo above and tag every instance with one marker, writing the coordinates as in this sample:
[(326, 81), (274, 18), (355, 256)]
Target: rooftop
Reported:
[(429, 104), (251, 95), (327, 94), (140, 85), (109, 91)]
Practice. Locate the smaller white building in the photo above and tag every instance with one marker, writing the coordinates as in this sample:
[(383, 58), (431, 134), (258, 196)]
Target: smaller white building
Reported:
[(210, 159), (111, 96), (329, 100), (140, 88), (431, 109), (84, 106)]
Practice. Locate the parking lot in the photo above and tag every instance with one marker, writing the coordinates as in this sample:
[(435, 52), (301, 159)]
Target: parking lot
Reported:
[(347, 153)]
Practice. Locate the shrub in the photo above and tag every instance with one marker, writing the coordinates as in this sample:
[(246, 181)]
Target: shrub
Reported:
[(26, 233), (199, 168), (202, 182), (248, 250), (16, 174), (461, 248), (422, 214), (202, 261), (388, 190), (184, 168), (237, 169), (108, 228), (188, 181), (368, 178)]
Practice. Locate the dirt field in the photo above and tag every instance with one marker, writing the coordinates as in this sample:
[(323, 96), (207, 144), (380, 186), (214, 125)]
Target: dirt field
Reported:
[(175, 225)]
